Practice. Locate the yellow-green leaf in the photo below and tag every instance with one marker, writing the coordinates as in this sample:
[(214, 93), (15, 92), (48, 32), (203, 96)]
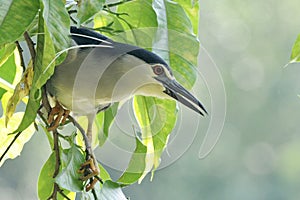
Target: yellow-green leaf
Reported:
[(21, 91), (136, 166), (6, 138), (157, 118), (295, 56), (46, 180)]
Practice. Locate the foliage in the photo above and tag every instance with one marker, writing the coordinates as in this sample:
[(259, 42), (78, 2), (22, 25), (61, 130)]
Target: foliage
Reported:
[(295, 56), (141, 22)]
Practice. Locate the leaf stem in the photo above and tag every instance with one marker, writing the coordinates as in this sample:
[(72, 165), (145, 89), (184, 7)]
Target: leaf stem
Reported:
[(10, 145)]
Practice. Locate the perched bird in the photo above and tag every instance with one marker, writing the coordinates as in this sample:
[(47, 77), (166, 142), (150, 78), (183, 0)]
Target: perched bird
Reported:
[(99, 72)]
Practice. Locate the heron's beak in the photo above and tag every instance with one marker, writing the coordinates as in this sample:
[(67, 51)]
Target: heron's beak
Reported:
[(178, 92)]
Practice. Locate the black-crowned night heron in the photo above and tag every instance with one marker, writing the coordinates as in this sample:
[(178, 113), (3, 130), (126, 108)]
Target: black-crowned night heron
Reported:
[(98, 72)]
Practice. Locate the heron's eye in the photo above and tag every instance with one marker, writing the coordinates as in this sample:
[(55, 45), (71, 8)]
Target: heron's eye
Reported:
[(158, 69)]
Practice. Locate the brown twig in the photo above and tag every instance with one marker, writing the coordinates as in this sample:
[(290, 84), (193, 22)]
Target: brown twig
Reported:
[(21, 56), (45, 101), (40, 113), (63, 194), (94, 194), (116, 4), (56, 190), (99, 179), (30, 45), (85, 138), (56, 150), (56, 187)]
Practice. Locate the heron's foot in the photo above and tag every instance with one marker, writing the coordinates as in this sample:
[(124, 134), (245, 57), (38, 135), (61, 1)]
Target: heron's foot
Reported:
[(89, 171), (61, 116)]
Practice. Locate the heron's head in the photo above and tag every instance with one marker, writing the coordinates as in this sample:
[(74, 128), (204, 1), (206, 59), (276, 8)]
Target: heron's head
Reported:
[(163, 82)]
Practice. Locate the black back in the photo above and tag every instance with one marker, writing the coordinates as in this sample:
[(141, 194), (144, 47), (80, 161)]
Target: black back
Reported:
[(81, 40), (143, 54)]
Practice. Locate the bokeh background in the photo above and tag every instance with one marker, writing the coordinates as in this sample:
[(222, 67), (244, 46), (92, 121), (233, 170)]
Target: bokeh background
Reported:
[(257, 155)]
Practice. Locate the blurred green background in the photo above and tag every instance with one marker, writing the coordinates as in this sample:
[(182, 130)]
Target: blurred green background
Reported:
[(257, 156)]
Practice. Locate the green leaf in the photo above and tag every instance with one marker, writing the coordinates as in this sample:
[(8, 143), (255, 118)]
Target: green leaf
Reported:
[(30, 114), (58, 24), (15, 17), (111, 191), (6, 138), (88, 8), (295, 56), (7, 72), (136, 166), (140, 14), (107, 23), (172, 16), (176, 26), (6, 52), (104, 121), (68, 178), (191, 8), (45, 180), (157, 118), (183, 70), (4, 87), (139, 24), (103, 173), (45, 55)]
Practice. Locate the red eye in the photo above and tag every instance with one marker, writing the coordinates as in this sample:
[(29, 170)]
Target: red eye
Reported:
[(158, 70)]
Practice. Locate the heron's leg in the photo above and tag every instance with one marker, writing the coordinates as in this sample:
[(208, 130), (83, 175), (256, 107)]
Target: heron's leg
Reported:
[(90, 168), (95, 168)]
